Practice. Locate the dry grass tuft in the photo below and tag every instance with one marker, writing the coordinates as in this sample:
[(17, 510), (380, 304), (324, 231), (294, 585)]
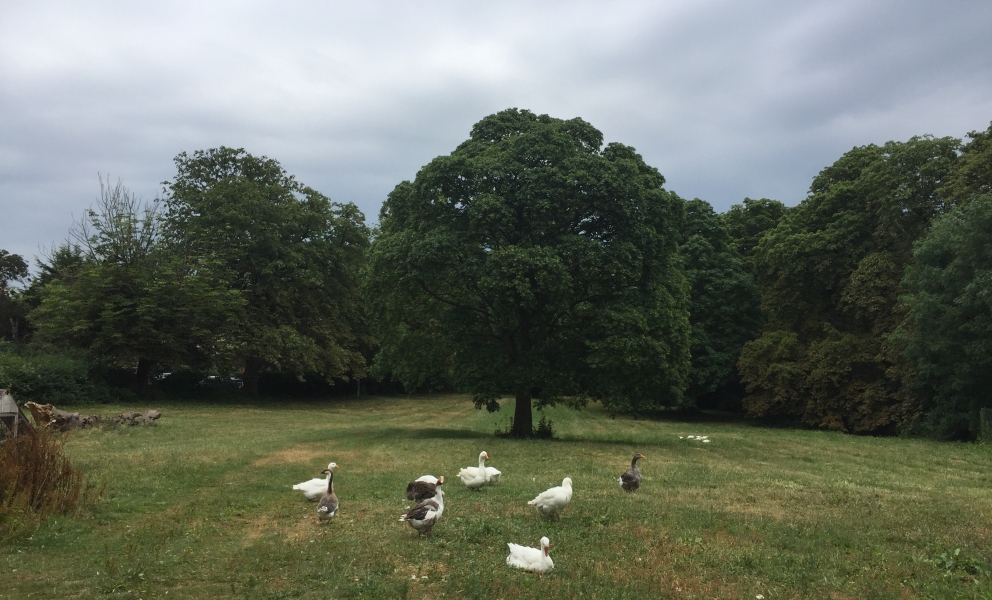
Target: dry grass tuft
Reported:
[(36, 480)]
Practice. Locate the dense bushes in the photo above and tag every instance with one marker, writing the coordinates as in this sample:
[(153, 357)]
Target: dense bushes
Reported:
[(46, 378)]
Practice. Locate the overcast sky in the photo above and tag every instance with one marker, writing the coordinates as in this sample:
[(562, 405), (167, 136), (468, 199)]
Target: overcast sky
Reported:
[(726, 99)]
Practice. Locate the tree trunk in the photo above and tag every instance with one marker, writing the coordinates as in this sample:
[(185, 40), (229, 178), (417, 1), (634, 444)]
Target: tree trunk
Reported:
[(141, 375), (523, 419), (253, 367), (985, 417)]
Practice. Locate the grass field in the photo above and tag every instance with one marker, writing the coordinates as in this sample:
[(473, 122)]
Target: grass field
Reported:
[(201, 507)]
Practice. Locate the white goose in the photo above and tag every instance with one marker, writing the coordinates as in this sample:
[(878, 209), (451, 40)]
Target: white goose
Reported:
[(552, 501), (531, 559), (475, 477), (315, 489)]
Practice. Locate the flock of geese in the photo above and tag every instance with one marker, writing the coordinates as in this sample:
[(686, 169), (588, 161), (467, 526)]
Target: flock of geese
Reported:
[(427, 492)]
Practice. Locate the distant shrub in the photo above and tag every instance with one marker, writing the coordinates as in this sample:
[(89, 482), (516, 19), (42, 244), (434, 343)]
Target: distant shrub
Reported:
[(36, 480), (545, 428), (47, 378), (59, 379)]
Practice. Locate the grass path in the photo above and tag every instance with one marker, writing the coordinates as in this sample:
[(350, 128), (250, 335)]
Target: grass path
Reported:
[(201, 507)]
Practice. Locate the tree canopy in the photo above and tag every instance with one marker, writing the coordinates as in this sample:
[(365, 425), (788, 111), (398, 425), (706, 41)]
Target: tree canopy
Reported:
[(948, 331), (13, 268), (125, 296), (830, 275), (538, 263), (292, 255), (748, 222), (724, 303)]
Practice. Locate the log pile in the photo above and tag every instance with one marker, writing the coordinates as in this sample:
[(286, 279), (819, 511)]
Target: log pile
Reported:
[(133, 419), (46, 415)]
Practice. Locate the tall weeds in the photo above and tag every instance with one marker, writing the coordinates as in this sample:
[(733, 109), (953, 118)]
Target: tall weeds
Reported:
[(36, 480)]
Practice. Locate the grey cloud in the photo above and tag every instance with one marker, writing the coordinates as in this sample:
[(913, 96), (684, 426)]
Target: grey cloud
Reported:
[(726, 99)]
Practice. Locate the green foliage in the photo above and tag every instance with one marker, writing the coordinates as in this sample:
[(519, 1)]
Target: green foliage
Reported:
[(829, 275), (954, 563), (127, 297), (545, 429), (972, 174), (725, 309), (747, 223), (774, 368), (534, 260), (46, 378), (12, 268), (948, 332), (292, 256)]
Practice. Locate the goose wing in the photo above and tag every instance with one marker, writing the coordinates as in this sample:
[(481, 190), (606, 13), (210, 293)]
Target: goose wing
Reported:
[(328, 505), (422, 512), (631, 478)]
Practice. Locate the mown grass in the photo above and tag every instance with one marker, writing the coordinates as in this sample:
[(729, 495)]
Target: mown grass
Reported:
[(201, 507)]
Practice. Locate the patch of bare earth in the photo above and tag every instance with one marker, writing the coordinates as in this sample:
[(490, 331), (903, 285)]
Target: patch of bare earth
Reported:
[(306, 455)]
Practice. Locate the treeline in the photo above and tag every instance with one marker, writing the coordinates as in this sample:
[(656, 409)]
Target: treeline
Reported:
[(536, 262), (239, 268)]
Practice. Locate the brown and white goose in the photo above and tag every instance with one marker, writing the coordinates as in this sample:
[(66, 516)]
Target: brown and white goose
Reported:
[(631, 480), (328, 505), (423, 516), (423, 488)]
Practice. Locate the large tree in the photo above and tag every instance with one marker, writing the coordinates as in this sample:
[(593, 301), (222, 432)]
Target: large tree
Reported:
[(119, 291), (540, 264), (829, 276), (725, 307), (13, 268), (293, 256), (947, 334)]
